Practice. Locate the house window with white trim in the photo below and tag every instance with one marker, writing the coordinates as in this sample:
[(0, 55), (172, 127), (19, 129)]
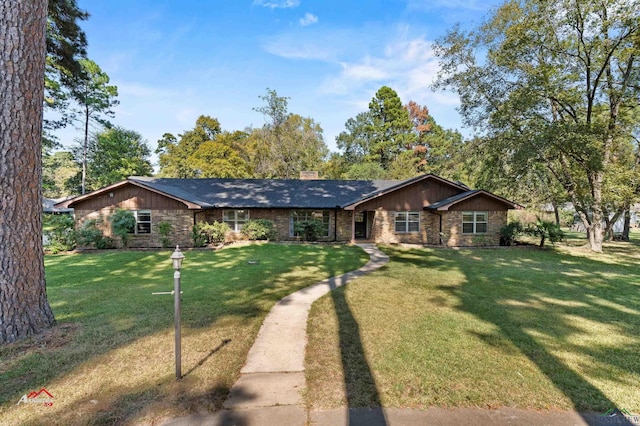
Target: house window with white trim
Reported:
[(235, 218), (474, 222), (406, 222), (322, 216), (143, 221)]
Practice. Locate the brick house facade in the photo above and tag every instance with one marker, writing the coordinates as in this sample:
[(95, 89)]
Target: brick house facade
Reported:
[(425, 210)]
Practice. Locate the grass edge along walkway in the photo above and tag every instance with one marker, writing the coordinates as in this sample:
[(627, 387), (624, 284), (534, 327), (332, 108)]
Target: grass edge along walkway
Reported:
[(271, 387), (535, 329), (110, 358)]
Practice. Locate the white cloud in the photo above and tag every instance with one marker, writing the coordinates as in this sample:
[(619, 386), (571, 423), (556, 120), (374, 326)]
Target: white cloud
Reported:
[(407, 65), (364, 71), (314, 44), (308, 19), (277, 4)]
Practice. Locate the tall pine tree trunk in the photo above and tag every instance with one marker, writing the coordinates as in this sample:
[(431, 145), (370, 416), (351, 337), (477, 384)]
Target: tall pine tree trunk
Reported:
[(24, 309)]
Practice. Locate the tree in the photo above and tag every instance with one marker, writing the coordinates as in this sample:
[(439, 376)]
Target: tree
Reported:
[(60, 174), (554, 83), (219, 158), (66, 44), (391, 126), (175, 156), (380, 134), (115, 154), (24, 309), (287, 144), (435, 149), (335, 167), (365, 171), (94, 95)]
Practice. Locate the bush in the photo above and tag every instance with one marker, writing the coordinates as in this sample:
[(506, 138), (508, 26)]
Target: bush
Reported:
[(197, 236), (105, 243), (164, 229), (259, 229), (510, 232), (544, 229), (123, 224), (309, 230), (90, 234), (215, 232), (60, 231)]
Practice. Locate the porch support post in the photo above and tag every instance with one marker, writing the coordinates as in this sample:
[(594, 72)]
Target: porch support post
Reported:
[(353, 226)]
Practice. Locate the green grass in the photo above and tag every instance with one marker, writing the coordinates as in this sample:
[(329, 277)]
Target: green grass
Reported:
[(110, 357), (521, 327)]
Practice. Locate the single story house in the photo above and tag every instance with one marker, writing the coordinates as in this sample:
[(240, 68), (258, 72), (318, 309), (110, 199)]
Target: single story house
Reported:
[(426, 209)]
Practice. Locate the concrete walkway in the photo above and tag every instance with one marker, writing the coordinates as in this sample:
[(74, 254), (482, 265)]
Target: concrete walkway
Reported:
[(269, 391)]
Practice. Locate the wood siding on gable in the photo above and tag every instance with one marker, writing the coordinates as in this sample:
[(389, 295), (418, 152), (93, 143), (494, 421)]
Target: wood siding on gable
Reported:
[(130, 197), (479, 203), (411, 198)]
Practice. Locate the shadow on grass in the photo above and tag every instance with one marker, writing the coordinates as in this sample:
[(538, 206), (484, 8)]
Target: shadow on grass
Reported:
[(360, 386), (545, 303), (206, 358), (107, 297)]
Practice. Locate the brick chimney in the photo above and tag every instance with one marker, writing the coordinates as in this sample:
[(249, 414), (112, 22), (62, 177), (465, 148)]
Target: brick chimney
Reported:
[(309, 175)]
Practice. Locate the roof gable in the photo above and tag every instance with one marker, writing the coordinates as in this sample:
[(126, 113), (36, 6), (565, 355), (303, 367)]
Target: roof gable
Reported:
[(73, 201), (446, 204), (403, 184)]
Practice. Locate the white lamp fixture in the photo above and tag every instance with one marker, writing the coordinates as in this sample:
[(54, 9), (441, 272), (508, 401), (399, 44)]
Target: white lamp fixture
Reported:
[(177, 258)]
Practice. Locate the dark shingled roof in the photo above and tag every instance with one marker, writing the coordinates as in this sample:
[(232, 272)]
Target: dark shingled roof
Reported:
[(265, 193)]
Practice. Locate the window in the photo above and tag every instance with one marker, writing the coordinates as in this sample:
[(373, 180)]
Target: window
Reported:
[(322, 216), (143, 221), (474, 222), (407, 222), (235, 219)]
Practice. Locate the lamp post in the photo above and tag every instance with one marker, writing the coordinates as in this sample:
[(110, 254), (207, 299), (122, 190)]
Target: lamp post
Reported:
[(177, 257)]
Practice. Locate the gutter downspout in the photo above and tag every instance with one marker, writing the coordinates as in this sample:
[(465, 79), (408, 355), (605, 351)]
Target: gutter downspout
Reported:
[(335, 224)]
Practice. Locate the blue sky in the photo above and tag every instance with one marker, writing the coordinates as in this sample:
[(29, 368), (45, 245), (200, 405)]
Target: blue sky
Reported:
[(174, 60)]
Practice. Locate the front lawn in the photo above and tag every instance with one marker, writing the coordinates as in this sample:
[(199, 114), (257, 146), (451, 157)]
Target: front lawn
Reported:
[(519, 327), (110, 359)]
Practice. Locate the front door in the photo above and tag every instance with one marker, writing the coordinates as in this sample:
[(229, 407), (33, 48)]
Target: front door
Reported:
[(360, 229)]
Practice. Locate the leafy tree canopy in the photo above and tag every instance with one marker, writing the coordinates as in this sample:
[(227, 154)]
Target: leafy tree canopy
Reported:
[(393, 141), (115, 154), (554, 84), (66, 44), (60, 174), (176, 156), (287, 144), (379, 134)]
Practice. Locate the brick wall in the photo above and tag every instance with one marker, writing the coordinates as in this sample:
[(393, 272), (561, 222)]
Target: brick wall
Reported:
[(452, 229), (383, 229), (281, 223), (181, 221)]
